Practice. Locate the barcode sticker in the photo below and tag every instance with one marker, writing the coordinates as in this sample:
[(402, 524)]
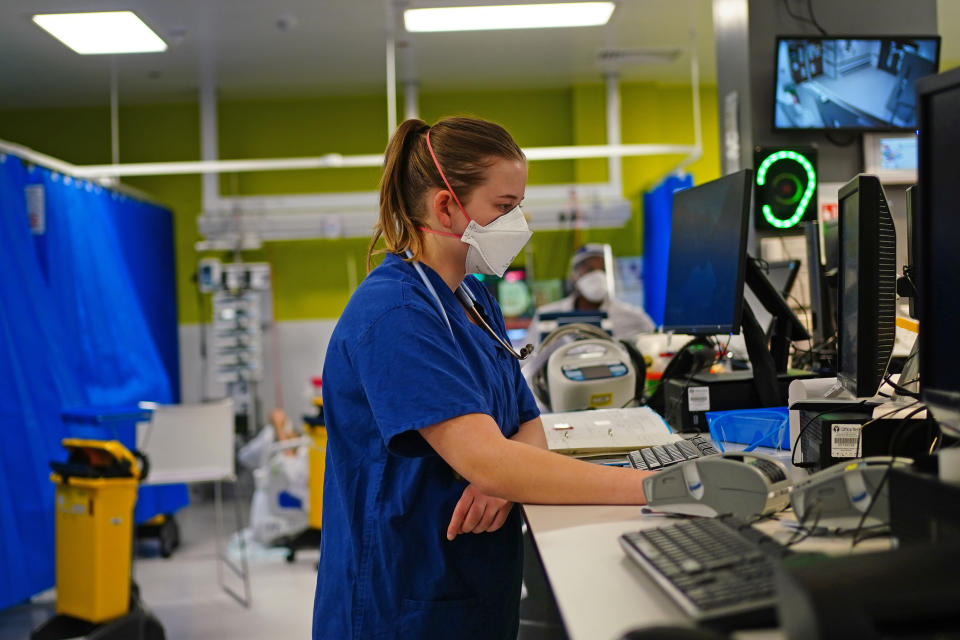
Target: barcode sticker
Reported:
[(845, 441), (698, 399)]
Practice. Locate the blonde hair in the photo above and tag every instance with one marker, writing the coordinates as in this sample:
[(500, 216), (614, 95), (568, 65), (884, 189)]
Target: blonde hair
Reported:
[(465, 148)]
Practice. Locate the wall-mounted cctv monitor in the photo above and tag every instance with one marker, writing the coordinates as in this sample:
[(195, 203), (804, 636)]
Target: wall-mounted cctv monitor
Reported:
[(863, 83)]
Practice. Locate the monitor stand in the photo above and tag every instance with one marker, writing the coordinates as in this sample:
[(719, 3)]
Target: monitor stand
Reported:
[(768, 359)]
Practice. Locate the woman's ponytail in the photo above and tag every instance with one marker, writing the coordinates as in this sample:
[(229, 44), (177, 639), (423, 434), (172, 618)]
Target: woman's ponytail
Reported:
[(397, 222)]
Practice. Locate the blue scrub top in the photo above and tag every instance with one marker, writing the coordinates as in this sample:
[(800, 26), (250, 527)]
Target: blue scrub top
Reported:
[(392, 367)]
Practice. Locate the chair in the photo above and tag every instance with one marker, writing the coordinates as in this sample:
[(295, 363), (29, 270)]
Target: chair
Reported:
[(194, 443)]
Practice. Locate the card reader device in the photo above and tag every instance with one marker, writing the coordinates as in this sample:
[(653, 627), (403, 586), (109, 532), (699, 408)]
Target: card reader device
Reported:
[(746, 485), (839, 496)]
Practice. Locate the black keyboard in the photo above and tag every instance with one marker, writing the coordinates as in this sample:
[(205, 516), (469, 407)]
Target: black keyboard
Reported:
[(660, 456), (719, 570)]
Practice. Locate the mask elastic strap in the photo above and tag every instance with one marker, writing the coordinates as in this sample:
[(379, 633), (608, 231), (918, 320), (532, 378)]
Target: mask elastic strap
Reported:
[(440, 233), (446, 182)]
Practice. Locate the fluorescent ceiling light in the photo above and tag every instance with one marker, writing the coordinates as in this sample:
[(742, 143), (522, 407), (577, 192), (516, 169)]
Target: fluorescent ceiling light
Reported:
[(519, 16), (101, 32)]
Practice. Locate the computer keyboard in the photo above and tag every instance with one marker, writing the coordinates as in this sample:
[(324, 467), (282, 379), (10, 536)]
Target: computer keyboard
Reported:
[(719, 570), (660, 456)]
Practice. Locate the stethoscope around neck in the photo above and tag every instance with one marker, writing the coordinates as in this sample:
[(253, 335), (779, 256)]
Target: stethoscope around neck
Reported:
[(470, 305)]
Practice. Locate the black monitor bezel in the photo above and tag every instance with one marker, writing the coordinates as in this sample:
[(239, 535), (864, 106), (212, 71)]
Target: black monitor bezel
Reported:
[(776, 50), (870, 191), (944, 404), (821, 304), (746, 176)]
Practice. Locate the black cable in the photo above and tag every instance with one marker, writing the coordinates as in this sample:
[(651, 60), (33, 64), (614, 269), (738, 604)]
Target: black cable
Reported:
[(797, 17), (802, 532), (901, 388), (904, 429), (886, 474), (813, 18), (887, 415), (873, 499)]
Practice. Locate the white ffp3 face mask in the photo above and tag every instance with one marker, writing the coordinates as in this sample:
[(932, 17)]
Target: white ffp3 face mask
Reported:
[(493, 247), (593, 286)]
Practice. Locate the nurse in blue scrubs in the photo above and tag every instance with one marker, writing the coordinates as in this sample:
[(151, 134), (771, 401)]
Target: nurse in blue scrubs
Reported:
[(432, 432)]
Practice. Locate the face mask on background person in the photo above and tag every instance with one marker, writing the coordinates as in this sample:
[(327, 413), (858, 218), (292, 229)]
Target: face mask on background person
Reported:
[(593, 286)]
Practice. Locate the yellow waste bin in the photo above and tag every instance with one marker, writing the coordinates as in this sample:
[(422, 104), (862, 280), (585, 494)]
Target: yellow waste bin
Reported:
[(95, 495), (316, 461)]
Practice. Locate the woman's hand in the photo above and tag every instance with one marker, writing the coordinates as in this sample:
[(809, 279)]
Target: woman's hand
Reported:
[(476, 513)]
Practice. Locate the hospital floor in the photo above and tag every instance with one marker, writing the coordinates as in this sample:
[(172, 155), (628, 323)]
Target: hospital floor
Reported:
[(183, 593)]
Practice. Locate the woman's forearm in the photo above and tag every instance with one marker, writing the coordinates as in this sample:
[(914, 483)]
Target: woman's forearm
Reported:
[(520, 472)]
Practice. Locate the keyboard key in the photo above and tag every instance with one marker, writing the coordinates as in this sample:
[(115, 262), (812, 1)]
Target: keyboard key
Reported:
[(662, 455), (636, 461), (650, 458), (674, 452), (688, 450)]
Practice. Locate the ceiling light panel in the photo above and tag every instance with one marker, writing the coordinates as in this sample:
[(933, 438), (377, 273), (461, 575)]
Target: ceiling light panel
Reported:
[(496, 17), (102, 32)]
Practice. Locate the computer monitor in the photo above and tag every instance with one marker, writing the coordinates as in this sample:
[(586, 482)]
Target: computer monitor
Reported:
[(781, 274), (867, 300), (938, 261), (830, 235), (822, 305), (707, 256), (909, 269)]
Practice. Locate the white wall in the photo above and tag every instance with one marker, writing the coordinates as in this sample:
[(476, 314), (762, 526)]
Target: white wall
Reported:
[(296, 349)]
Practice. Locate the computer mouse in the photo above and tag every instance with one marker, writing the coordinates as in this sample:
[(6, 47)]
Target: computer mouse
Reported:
[(673, 633)]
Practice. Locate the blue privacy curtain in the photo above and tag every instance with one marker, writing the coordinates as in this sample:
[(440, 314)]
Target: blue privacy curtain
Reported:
[(35, 383), (87, 320), (657, 213)]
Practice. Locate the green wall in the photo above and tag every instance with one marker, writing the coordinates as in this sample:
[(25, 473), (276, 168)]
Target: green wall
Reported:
[(311, 277)]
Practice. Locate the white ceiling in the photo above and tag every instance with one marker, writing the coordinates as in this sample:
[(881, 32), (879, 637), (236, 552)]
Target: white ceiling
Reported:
[(331, 47), (338, 47)]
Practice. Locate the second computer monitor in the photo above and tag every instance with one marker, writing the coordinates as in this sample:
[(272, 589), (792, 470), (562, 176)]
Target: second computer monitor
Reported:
[(867, 298), (708, 235)]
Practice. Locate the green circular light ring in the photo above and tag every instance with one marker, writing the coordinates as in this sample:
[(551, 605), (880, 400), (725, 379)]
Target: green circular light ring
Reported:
[(762, 170)]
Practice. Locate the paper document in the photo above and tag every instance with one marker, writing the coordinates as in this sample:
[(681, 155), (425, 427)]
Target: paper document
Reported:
[(588, 433)]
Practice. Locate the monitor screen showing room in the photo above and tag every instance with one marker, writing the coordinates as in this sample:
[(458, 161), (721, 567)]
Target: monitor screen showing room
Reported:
[(858, 82), (707, 256)]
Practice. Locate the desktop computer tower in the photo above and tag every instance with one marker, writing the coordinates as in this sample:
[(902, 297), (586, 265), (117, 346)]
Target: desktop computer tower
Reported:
[(831, 432), (686, 402)]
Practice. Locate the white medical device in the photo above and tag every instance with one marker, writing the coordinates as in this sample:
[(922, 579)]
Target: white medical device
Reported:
[(590, 374)]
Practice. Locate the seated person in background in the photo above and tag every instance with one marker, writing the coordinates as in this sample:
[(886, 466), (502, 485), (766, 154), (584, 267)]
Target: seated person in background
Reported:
[(280, 475), (589, 283)]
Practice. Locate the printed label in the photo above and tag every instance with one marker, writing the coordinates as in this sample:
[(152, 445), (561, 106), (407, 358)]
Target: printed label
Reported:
[(698, 398), (845, 441), (601, 399)]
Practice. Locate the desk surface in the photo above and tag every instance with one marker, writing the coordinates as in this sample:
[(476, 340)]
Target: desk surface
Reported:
[(600, 593)]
